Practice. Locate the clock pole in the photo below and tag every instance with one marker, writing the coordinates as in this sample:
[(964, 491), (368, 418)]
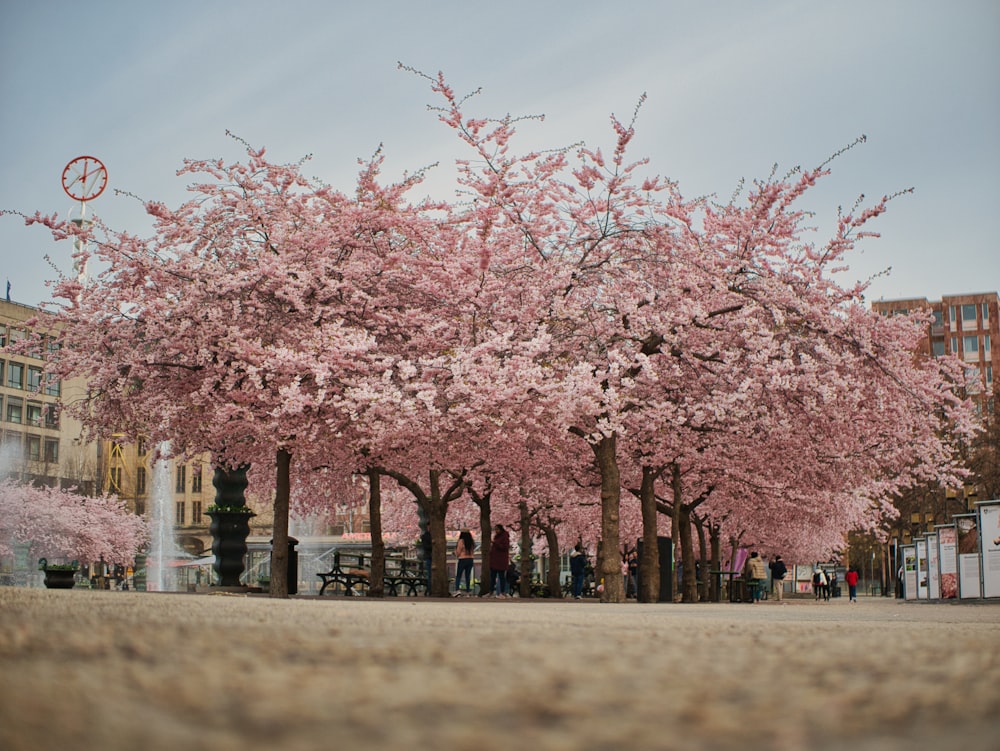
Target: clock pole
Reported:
[(83, 179)]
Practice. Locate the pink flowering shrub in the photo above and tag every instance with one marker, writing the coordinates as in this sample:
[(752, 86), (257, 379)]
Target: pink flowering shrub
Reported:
[(62, 524)]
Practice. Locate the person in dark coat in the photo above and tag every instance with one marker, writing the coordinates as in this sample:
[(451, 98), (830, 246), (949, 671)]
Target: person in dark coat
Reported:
[(778, 572), (499, 561), (578, 569)]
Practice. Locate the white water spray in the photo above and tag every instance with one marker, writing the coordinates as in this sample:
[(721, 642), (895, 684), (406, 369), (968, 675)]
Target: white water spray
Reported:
[(162, 548)]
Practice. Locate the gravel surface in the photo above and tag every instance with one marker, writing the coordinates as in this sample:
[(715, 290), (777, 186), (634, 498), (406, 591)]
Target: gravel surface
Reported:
[(130, 671)]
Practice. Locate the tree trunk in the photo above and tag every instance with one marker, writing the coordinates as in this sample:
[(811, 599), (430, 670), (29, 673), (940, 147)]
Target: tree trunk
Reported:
[(649, 560), (486, 532), (525, 566), (279, 537), (702, 558), (436, 510), (552, 575), (715, 538), (376, 582), (609, 570)]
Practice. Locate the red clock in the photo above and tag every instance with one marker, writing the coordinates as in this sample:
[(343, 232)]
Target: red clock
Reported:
[(85, 178)]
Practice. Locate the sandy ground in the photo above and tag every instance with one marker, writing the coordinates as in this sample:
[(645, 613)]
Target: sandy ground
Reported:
[(129, 671)]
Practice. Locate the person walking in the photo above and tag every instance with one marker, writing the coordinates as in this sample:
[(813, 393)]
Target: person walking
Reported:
[(465, 549), (499, 560), (819, 581), (851, 577), (577, 569), (778, 572)]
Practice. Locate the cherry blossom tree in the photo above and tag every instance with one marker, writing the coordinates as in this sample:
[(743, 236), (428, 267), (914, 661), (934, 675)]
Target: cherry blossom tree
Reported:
[(62, 524), (661, 311)]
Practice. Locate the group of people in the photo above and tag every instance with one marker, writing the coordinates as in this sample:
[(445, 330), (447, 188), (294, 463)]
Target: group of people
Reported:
[(825, 584), (502, 577)]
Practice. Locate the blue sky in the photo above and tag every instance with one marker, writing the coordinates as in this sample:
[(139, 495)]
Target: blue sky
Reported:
[(733, 87)]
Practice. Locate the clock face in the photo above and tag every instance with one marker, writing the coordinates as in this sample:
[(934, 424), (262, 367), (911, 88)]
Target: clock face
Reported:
[(84, 178)]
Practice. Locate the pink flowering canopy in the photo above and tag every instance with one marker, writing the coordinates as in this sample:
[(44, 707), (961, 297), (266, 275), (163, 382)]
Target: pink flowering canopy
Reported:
[(567, 326), (63, 525)]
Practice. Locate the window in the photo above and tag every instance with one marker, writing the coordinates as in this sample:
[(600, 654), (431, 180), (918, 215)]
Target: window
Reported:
[(954, 345), (51, 450), (938, 320), (2, 363), (969, 316), (970, 344), (181, 478), (115, 479), (986, 343), (15, 375), (3, 336), (34, 378), (938, 347), (196, 479), (180, 512), (140, 480), (34, 446), (13, 444), (989, 375), (14, 410), (34, 414), (52, 387), (50, 414), (953, 316), (196, 512), (986, 313)]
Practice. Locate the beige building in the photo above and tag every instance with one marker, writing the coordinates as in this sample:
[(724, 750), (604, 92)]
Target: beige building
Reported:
[(38, 444)]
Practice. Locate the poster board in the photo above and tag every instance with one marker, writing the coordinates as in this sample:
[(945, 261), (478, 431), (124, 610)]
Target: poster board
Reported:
[(909, 572), (989, 545), (933, 569), (921, 546), (969, 584), (947, 537)]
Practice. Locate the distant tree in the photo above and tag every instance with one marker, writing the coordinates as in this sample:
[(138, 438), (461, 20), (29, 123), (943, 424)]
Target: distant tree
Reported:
[(62, 524)]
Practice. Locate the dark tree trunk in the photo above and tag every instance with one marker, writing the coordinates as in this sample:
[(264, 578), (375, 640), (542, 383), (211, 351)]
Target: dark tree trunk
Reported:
[(715, 540), (702, 558), (649, 560), (608, 566), (525, 563), (552, 575), (486, 536), (376, 582), (279, 537)]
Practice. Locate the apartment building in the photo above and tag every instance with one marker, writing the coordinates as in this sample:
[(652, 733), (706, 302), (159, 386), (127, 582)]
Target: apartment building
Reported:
[(966, 325), (38, 444)]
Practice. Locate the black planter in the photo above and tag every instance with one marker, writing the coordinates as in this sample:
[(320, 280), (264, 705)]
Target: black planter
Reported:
[(229, 544), (60, 578), (229, 528)]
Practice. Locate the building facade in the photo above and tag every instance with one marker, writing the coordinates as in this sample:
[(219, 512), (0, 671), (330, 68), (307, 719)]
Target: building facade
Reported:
[(38, 444), (967, 326)]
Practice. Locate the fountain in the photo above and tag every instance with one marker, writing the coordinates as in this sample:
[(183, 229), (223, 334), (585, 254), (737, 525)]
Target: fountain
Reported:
[(162, 548)]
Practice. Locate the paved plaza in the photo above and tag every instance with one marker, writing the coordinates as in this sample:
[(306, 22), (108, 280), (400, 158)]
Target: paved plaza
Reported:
[(126, 671)]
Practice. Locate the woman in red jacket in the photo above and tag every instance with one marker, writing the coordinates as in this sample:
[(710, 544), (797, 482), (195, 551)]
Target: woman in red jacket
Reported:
[(851, 577)]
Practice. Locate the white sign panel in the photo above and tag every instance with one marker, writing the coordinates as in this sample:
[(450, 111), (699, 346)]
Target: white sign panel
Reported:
[(948, 560), (989, 531), (909, 572), (921, 546), (933, 570)]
